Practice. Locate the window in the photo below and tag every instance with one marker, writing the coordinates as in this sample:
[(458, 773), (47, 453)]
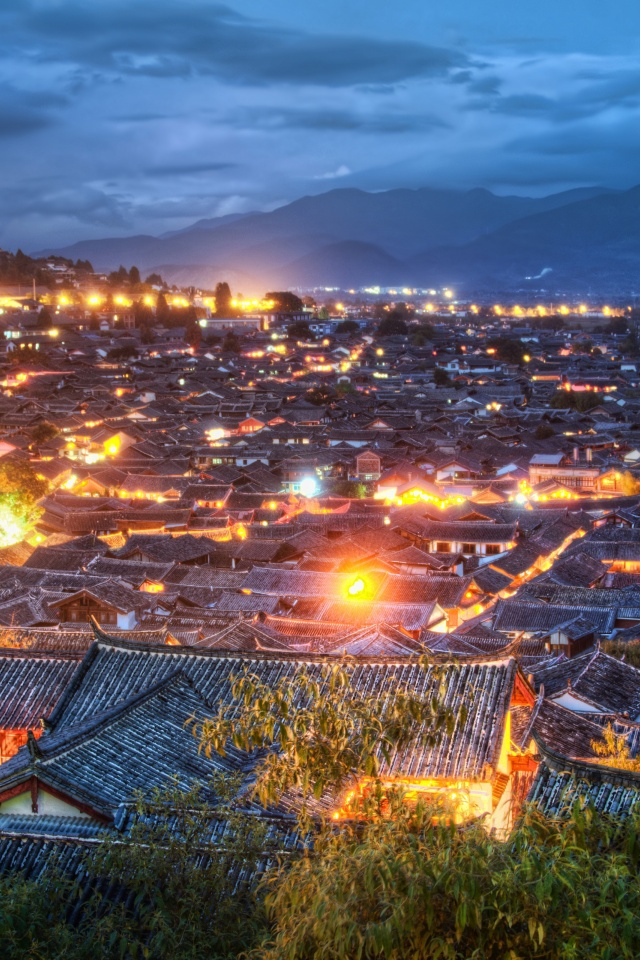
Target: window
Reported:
[(443, 547), (468, 548), (493, 549)]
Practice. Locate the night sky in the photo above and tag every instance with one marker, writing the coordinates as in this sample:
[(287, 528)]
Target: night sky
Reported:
[(122, 116)]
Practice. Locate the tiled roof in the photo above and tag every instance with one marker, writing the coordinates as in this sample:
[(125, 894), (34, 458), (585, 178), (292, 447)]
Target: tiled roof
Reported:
[(560, 782), (137, 744), (30, 685), (113, 672)]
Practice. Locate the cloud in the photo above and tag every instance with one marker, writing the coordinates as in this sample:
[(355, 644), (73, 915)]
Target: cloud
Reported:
[(186, 169), (342, 171), (391, 121), (24, 111), (177, 38)]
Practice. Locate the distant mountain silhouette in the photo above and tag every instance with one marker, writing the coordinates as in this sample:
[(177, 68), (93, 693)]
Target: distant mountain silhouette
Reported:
[(472, 240)]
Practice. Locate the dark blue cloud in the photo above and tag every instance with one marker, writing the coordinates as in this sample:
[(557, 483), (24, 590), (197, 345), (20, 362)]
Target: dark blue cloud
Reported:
[(131, 116), (178, 169), (23, 111), (176, 39), (382, 121)]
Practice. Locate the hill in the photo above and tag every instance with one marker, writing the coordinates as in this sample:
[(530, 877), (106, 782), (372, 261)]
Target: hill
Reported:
[(472, 240)]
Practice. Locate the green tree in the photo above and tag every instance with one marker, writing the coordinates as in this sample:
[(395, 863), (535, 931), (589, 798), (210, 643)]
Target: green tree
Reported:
[(441, 377), (630, 652), (570, 399), (299, 330), (166, 890), (613, 750), (582, 346), (122, 353), (320, 396), (392, 325), (404, 882), (45, 320), (44, 431), (285, 301), (231, 343), (348, 326), (508, 349), (163, 312), (134, 276), (423, 335), (20, 491), (630, 484), (316, 732), (351, 489), (544, 432), (223, 300)]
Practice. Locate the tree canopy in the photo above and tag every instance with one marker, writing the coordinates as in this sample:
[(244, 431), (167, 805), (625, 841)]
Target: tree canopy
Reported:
[(20, 490), (285, 301)]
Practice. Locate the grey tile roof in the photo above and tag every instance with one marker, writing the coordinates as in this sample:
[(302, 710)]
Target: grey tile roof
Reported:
[(560, 782), (30, 685), (137, 744), (112, 672)]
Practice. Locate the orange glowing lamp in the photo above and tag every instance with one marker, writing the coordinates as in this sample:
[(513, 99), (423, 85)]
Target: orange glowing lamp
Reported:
[(356, 588)]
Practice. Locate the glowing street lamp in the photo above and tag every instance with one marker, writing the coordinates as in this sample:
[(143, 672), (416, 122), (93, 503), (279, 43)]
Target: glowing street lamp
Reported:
[(308, 487), (356, 588)]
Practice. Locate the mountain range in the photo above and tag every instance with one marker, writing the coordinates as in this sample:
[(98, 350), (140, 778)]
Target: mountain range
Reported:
[(577, 241)]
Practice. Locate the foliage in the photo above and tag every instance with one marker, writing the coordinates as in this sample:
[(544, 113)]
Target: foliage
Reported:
[(422, 335), (223, 300), (285, 301), (352, 489), (299, 330), (44, 431), (122, 353), (630, 484), (582, 346), (404, 882), (572, 400), (392, 325), (20, 490), (345, 388), (396, 880), (45, 320), (231, 343), (348, 326), (613, 750), (508, 349), (629, 651), (20, 268), (320, 396), (162, 308), (317, 731), (544, 431), (554, 322), (441, 378), (171, 892)]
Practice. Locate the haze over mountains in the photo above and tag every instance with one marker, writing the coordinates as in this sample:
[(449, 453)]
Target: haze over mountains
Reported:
[(474, 241)]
